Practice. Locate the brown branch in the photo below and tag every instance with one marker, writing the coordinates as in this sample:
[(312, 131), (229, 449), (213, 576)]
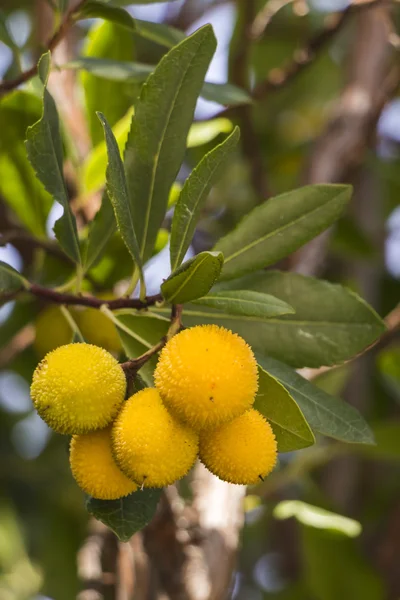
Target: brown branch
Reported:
[(72, 300), (305, 56), (67, 22), (239, 75), (16, 235), (340, 149), (98, 563)]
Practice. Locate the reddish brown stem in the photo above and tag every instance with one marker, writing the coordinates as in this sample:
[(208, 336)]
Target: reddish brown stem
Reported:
[(67, 22), (71, 300)]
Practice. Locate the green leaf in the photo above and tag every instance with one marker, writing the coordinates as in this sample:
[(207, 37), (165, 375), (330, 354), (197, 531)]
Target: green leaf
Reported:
[(106, 41), (193, 279), (281, 225), (203, 132), (324, 413), (157, 141), (10, 279), (128, 515), (226, 94), (95, 9), (194, 194), (246, 303), (94, 167), (159, 33), (134, 72), (118, 194), (139, 333), (331, 324), (317, 517), (291, 430), (101, 229), (19, 187), (44, 148)]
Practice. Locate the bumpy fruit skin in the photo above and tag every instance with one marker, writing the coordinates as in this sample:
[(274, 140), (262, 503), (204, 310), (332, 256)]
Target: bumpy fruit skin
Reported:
[(94, 468), (78, 388), (149, 445), (206, 376), (243, 451), (51, 331)]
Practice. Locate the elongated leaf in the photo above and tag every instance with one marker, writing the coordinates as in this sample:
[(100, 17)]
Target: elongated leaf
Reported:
[(44, 148), (225, 93), (157, 141), (291, 430), (101, 229), (324, 413), (106, 41), (126, 515), (159, 33), (246, 303), (10, 279), (331, 324), (19, 186), (118, 193), (193, 279), (314, 516), (194, 194), (203, 132), (280, 226), (134, 72), (95, 9)]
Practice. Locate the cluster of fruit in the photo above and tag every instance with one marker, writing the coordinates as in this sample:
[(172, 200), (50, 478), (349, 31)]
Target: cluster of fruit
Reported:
[(206, 382)]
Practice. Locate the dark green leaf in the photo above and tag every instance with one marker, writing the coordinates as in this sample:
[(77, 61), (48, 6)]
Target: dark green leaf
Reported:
[(324, 413), (100, 231), (134, 72), (109, 42), (118, 194), (5, 36), (194, 194), (44, 148), (281, 225), (331, 324), (95, 9), (193, 279), (126, 515), (246, 303), (157, 141), (291, 430), (225, 93), (10, 279), (159, 33), (19, 186)]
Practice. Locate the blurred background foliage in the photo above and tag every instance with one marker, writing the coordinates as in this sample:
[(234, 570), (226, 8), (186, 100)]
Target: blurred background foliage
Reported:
[(288, 552)]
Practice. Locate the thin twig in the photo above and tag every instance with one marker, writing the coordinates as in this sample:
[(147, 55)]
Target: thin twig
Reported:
[(72, 300), (67, 22), (303, 57)]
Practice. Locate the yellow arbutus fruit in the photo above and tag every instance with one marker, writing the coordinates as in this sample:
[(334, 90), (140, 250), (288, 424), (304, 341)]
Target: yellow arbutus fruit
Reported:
[(206, 376), (51, 330), (78, 388), (94, 468), (243, 451), (149, 445)]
